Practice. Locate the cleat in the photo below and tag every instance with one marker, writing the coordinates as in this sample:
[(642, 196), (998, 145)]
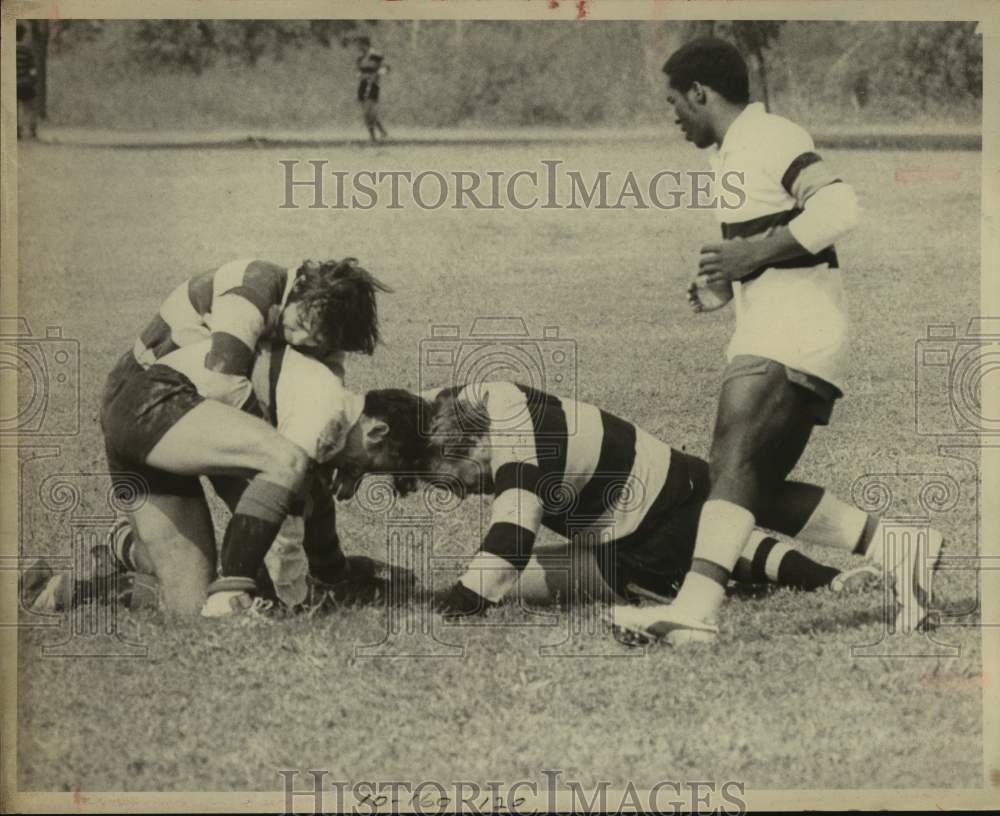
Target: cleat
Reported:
[(638, 625), (237, 604), (856, 580), (911, 575), (44, 590)]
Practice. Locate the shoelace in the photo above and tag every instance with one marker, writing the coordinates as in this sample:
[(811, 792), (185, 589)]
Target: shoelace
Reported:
[(258, 612)]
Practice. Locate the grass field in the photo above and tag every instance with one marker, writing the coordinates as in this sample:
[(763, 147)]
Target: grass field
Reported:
[(779, 702)]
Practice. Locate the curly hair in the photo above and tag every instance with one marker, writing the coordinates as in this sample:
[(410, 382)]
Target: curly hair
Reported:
[(456, 424), (712, 62), (406, 414), (339, 297)]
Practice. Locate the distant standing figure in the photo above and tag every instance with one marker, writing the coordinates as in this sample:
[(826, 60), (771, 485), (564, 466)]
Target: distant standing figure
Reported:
[(27, 81), (371, 69)]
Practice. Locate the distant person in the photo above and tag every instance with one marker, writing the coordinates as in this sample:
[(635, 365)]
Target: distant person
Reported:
[(371, 69), (27, 84)]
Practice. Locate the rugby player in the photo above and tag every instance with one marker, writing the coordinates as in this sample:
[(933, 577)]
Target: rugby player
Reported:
[(371, 69), (164, 427), (788, 353), (311, 409), (628, 502)]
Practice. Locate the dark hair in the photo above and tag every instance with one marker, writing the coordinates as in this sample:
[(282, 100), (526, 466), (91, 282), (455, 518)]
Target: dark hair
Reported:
[(339, 296), (712, 62), (406, 414), (455, 423)]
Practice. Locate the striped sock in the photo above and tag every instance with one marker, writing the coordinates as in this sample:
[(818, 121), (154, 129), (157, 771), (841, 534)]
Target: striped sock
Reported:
[(121, 540), (768, 560)]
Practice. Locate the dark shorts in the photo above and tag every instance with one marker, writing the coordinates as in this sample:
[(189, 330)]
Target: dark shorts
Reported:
[(137, 408), (661, 558), (821, 394), (368, 90)]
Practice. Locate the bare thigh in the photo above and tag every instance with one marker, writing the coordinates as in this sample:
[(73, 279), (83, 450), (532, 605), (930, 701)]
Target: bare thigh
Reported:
[(213, 438)]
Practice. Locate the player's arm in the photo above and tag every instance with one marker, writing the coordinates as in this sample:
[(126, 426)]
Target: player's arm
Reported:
[(239, 319), (314, 412), (829, 211), (516, 513)]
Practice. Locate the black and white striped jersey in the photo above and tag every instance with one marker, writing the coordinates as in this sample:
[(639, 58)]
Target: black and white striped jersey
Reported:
[(578, 470)]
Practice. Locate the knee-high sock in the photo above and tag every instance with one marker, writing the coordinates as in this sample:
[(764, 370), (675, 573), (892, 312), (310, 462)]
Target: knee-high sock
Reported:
[(835, 523), (251, 531), (765, 559), (723, 531)]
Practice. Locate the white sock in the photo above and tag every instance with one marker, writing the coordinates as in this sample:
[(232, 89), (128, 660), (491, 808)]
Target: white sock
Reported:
[(834, 523), (723, 531)]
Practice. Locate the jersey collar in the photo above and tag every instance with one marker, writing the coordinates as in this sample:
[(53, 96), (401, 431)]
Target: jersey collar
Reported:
[(741, 126)]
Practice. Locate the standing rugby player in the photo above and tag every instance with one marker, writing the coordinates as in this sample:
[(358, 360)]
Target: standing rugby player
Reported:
[(789, 350)]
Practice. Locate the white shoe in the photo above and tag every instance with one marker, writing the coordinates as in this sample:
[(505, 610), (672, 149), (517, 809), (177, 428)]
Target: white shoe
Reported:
[(645, 624), (44, 590), (236, 603), (911, 575), (856, 580)]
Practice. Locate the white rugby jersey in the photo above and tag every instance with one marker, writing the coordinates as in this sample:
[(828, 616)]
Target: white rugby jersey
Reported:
[(793, 311), (303, 399), (597, 480)]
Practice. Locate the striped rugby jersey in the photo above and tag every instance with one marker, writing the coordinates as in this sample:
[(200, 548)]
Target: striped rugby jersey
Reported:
[(230, 306), (598, 480)]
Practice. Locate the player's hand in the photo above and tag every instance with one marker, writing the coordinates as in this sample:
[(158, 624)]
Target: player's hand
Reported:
[(704, 298), (728, 261), (459, 600)]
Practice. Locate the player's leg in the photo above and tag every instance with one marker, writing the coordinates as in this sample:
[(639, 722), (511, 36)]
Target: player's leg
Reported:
[(175, 543), (213, 438), (567, 575), (763, 424)]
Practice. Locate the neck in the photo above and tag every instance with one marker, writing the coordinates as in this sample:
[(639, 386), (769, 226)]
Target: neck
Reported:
[(724, 119)]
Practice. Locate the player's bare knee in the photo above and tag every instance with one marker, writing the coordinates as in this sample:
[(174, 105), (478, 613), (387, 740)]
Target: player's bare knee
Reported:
[(287, 464)]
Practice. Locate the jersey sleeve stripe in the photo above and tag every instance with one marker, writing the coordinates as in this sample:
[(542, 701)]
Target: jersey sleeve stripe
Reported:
[(516, 476), (511, 542), (797, 165), (813, 178), (229, 355), (200, 291)]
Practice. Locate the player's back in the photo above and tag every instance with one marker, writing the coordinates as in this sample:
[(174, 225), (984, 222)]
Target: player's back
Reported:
[(185, 316), (596, 470)]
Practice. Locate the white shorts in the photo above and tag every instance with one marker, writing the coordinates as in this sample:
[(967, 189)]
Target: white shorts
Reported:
[(797, 317)]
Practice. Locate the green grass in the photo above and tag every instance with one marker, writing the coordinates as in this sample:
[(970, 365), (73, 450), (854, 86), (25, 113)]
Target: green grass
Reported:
[(779, 702)]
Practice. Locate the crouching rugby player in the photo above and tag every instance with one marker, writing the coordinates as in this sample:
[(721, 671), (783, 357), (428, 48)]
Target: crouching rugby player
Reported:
[(616, 492), (163, 428), (314, 414)]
